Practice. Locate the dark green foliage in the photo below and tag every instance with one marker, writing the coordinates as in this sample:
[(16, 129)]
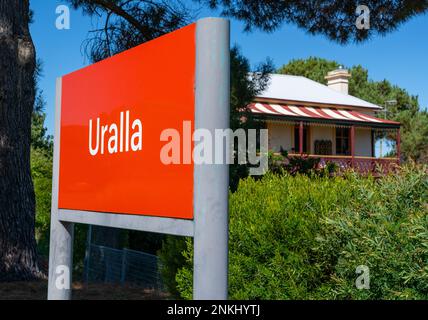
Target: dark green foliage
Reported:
[(415, 134), (285, 164), (303, 238), (407, 110), (39, 137), (79, 250), (127, 24), (172, 259), (312, 68), (335, 19), (41, 168), (245, 85), (145, 241), (302, 165)]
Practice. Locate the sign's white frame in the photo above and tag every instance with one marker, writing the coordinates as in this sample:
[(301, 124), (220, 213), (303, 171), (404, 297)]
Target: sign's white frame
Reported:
[(211, 183)]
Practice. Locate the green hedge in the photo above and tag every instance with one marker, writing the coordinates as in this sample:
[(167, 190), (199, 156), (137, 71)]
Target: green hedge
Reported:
[(303, 238), (41, 168)]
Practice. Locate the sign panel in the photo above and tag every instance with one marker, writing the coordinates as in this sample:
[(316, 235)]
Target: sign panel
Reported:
[(117, 162), (113, 114)]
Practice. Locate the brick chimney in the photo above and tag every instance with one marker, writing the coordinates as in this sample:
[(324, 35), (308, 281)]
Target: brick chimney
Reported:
[(339, 80)]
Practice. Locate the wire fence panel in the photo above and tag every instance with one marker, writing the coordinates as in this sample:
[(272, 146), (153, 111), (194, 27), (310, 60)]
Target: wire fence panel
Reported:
[(108, 265)]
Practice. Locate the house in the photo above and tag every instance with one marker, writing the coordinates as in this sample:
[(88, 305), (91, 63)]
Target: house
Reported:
[(307, 118)]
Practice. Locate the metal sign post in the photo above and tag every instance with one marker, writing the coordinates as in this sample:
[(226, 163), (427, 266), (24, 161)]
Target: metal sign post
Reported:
[(211, 181), (209, 225), (62, 232)]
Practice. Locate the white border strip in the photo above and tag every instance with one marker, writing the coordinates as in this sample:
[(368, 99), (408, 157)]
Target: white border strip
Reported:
[(178, 227)]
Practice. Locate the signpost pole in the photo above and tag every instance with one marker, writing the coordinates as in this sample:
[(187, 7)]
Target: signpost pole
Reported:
[(211, 181), (61, 238)]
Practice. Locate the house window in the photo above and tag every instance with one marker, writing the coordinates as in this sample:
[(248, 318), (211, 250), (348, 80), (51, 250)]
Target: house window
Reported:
[(297, 139), (343, 141)]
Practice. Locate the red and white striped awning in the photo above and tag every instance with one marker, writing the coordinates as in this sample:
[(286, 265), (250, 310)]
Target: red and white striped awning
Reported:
[(316, 113)]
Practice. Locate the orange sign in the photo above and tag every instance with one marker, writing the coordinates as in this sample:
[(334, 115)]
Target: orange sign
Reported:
[(112, 116)]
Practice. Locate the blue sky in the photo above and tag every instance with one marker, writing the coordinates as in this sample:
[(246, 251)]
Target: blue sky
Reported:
[(400, 57)]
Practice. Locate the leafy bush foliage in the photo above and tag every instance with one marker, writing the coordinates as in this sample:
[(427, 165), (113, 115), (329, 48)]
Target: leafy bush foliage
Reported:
[(41, 168), (284, 163), (172, 259), (303, 237)]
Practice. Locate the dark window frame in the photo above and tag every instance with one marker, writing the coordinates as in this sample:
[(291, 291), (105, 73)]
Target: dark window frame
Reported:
[(305, 139), (343, 141)]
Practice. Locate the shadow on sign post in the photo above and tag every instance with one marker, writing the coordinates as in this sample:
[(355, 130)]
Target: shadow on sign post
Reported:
[(107, 164)]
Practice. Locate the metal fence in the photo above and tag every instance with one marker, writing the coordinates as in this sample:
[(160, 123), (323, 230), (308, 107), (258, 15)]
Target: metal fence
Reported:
[(108, 265)]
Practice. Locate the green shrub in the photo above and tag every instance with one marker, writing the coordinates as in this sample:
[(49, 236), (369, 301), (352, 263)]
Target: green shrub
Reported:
[(303, 238), (172, 259), (385, 227), (284, 163), (41, 169)]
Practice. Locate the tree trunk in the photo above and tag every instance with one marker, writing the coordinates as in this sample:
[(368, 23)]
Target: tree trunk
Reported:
[(18, 255)]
